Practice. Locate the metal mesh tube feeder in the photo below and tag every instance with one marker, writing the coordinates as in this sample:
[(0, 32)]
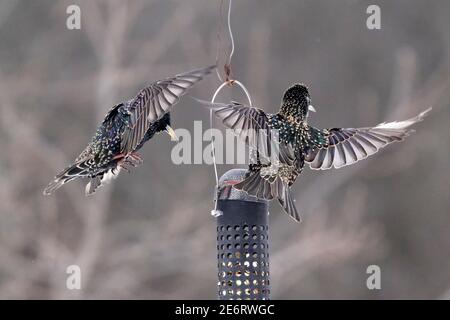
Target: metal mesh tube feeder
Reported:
[(242, 242)]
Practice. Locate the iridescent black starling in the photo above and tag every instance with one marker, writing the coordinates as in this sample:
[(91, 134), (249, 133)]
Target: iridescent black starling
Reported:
[(298, 143), (125, 129)]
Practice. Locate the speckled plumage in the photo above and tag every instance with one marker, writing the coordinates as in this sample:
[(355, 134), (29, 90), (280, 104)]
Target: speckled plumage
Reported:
[(299, 143), (125, 129)]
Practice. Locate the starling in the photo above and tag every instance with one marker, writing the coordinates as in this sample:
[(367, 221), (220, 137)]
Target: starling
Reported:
[(299, 143), (125, 129)]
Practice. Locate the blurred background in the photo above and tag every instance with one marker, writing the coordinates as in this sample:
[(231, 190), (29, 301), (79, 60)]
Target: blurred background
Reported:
[(150, 233)]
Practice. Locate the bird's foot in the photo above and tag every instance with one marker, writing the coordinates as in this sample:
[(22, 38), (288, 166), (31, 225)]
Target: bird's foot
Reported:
[(132, 160), (126, 165), (125, 168), (135, 158)]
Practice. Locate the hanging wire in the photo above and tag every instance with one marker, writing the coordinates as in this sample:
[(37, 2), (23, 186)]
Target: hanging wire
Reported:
[(219, 39), (227, 65), (230, 82), (232, 40)]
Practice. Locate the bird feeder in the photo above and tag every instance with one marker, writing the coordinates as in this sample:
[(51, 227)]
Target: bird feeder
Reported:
[(242, 242)]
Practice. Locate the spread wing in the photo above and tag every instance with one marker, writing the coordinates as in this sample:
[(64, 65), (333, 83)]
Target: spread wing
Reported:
[(154, 101), (251, 125), (346, 146)]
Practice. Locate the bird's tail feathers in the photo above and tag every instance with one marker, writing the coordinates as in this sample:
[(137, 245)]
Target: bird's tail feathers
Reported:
[(288, 203), (100, 180), (269, 188), (76, 170)]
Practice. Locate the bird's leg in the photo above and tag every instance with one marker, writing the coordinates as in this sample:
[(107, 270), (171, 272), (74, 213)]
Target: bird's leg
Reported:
[(231, 182), (118, 156)]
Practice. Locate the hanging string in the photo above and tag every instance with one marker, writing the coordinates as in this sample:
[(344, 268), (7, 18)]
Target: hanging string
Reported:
[(228, 82)]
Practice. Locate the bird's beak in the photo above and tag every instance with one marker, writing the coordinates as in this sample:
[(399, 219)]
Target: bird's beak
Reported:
[(171, 133), (311, 108)]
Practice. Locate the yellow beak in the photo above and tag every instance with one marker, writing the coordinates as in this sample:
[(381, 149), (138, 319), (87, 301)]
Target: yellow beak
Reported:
[(171, 133)]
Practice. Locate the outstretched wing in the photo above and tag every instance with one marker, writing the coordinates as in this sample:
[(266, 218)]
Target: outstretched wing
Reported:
[(153, 102), (251, 125), (346, 146)]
